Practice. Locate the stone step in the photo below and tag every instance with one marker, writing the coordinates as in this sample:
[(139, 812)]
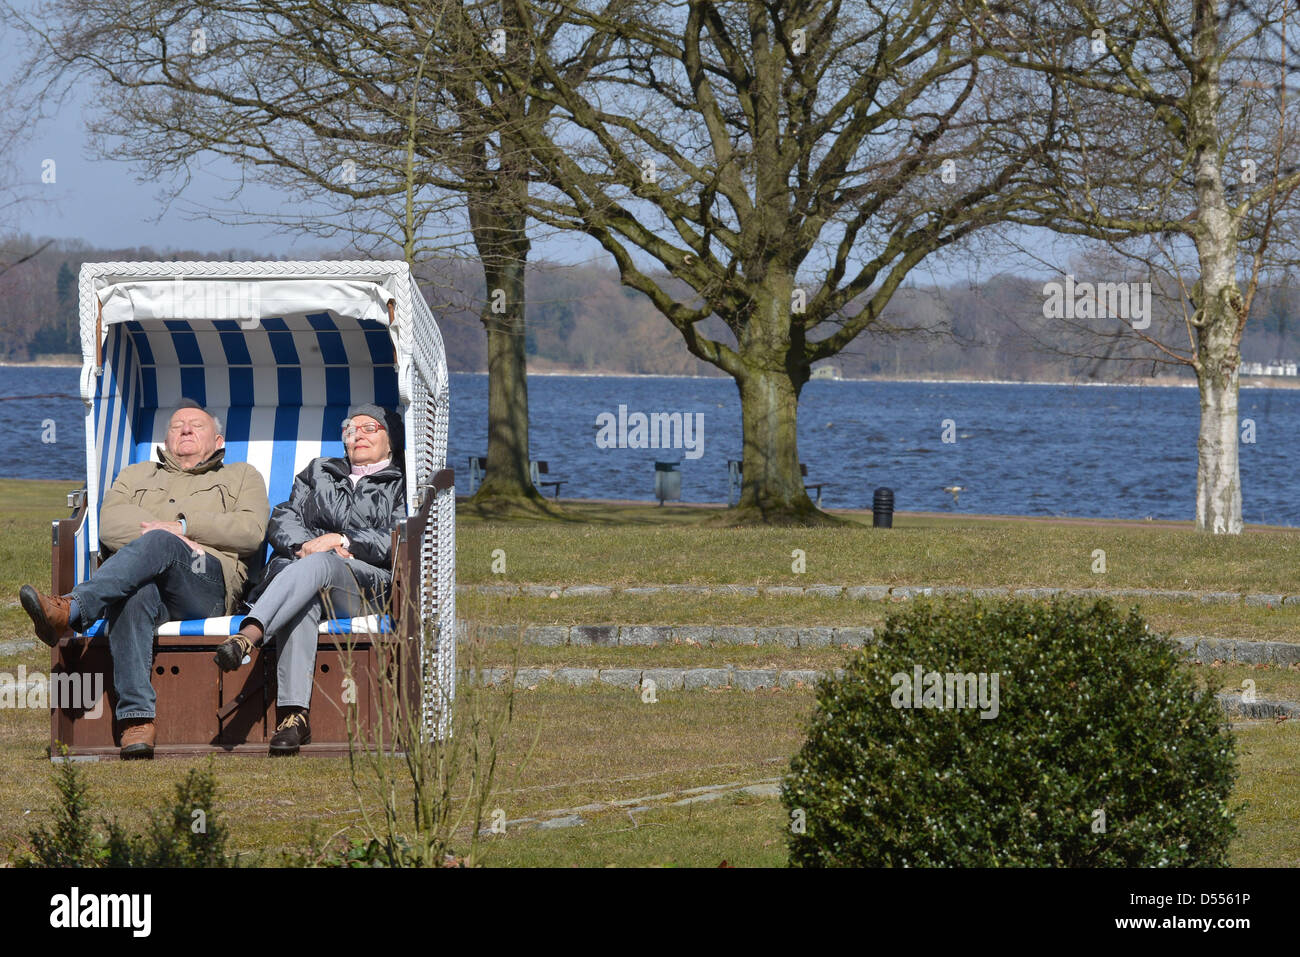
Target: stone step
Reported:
[(1199, 648), (608, 636), (877, 592), (756, 679)]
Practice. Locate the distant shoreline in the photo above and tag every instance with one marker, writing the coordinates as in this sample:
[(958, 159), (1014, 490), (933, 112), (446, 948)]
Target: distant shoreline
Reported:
[(46, 362), (1163, 382)]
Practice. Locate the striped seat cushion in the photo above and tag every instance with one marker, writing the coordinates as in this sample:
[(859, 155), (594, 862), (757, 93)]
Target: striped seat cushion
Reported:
[(226, 626)]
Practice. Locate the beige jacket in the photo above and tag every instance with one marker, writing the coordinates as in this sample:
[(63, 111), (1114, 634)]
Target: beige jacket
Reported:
[(224, 507)]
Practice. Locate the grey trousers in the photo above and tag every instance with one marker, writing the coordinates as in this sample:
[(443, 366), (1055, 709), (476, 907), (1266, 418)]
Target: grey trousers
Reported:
[(291, 608)]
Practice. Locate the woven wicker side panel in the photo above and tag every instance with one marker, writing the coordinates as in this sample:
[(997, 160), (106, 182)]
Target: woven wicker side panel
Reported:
[(430, 404)]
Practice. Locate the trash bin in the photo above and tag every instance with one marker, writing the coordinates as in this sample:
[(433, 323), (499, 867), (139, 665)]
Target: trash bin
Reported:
[(668, 482)]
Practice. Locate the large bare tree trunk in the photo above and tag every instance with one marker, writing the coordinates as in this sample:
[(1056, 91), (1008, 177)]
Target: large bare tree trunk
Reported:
[(772, 488), (1219, 318), (507, 475), (773, 374), (499, 224)]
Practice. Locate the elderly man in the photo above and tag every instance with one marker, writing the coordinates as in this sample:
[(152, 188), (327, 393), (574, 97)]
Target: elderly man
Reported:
[(181, 530)]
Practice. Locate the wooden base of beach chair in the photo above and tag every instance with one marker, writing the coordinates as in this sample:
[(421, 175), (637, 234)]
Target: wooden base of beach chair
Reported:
[(202, 710)]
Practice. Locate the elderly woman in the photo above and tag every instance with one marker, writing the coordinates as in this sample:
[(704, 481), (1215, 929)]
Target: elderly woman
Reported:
[(332, 543)]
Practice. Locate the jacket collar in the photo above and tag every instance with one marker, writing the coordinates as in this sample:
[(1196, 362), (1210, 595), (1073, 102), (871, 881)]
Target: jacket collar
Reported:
[(170, 463), (342, 469)]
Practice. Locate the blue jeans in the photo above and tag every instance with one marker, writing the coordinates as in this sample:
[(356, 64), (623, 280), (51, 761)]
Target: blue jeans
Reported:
[(154, 579)]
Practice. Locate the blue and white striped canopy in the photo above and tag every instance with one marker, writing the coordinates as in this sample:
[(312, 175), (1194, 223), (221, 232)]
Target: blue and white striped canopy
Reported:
[(282, 389)]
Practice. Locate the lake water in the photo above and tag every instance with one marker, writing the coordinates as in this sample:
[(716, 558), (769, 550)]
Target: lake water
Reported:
[(1115, 452)]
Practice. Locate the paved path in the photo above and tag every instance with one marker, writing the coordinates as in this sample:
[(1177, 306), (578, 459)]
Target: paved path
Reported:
[(573, 816)]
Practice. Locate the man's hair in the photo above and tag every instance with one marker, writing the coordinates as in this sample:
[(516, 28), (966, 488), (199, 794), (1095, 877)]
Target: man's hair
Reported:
[(191, 404)]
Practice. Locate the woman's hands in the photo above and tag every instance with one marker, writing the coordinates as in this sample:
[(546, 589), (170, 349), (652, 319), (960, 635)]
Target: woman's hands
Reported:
[(330, 541)]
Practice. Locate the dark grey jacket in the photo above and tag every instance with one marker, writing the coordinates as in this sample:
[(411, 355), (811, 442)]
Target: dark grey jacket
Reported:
[(325, 500)]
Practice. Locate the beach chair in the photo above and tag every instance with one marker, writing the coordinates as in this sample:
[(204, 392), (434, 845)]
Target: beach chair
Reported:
[(278, 351)]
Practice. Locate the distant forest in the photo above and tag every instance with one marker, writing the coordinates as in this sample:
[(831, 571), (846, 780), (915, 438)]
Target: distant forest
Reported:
[(581, 319)]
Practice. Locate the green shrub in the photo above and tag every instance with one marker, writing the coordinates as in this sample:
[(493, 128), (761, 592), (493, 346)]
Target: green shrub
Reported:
[(187, 834), (1093, 716), (73, 842)]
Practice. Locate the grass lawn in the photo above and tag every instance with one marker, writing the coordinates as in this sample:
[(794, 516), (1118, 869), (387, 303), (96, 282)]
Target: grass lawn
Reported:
[(1270, 784), (26, 510), (920, 550), (601, 744), (593, 745)]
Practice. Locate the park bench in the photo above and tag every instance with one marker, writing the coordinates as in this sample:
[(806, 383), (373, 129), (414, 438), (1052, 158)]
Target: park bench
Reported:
[(278, 351), (536, 469), (539, 468), (477, 469), (736, 473)]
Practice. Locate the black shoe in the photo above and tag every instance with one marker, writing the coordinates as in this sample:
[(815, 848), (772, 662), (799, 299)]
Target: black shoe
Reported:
[(230, 654), (291, 734)]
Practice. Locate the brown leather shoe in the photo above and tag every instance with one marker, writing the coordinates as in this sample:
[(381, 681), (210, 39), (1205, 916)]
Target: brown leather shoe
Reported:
[(138, 739), (49, 613)]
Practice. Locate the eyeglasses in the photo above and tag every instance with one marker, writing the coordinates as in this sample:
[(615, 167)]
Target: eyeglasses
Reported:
[(370, 428)]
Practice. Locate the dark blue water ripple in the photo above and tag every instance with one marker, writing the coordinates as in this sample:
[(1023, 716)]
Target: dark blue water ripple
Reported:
[(1115, 452), (1021, 449)]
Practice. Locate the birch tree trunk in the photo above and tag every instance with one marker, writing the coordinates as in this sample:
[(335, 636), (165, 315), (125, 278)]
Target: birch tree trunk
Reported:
[(1218, 319), (1218, 478), (1220, 314)]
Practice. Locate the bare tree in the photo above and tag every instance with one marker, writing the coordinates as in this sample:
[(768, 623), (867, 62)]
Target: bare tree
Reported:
[(1175, 146), (17, 194), (364, 114), (789, 162)]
